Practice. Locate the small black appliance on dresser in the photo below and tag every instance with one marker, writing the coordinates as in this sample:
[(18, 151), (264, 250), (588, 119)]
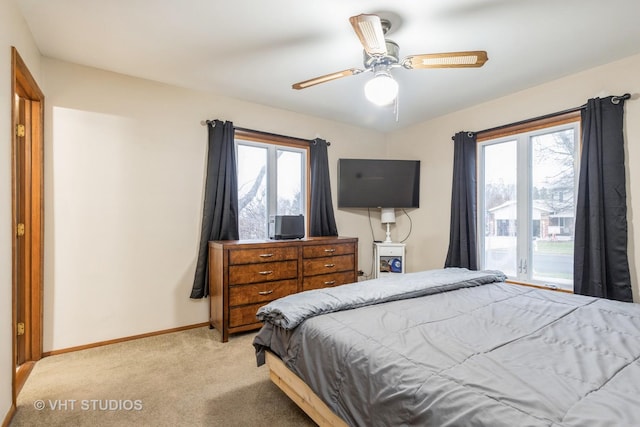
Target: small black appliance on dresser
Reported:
[(286, 227)]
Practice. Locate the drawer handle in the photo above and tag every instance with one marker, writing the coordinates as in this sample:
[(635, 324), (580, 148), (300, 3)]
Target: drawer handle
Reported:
[(330, 282), (266, 255), (265, 273), (330, 250), (329, 265), (265, 292)]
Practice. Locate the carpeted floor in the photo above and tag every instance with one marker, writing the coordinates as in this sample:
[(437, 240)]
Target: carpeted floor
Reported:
[(186, 378)]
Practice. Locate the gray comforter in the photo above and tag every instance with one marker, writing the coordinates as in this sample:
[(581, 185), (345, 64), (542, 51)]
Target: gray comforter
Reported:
[(488, 354)]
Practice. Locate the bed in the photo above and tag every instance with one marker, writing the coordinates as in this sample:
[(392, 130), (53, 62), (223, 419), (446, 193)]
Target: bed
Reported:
[(454, 347)]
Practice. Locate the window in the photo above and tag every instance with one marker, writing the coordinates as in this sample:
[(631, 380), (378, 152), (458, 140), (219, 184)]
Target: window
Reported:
[(526, 202), (272, 180)]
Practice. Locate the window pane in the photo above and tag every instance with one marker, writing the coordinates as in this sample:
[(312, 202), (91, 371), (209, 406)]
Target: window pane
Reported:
[(553, 207), (500, 204), (289, 182), (252, 192)]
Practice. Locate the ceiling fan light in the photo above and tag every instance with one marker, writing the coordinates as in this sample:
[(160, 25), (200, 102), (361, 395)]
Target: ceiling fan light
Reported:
[(381, 90)]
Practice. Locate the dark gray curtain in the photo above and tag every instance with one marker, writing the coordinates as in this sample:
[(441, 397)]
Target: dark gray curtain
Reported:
[(322, 221), (601, 266), (462, 233), (220, 212)]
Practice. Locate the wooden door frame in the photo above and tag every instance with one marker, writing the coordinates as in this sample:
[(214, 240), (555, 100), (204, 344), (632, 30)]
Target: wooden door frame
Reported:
[(24, 85)]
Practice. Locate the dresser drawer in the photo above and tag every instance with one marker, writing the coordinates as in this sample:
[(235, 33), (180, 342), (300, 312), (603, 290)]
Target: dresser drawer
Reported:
[(265, 272), (314, 266), (261, 292), (328, 280), (250, 256), (316, 251), (244, 315)]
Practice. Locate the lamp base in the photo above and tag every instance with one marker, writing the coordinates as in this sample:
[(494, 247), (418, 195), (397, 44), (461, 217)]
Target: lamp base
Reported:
[(388, 239)]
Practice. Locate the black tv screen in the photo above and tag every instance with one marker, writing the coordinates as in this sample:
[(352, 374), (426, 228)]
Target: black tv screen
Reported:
[(372, 183)]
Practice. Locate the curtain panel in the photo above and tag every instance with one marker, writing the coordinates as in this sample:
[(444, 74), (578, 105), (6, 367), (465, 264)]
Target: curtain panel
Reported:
[(462, 232), (322, 221), (601, 266), (220, 210)]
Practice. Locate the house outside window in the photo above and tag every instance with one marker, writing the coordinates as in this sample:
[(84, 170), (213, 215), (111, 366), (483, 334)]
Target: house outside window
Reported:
[(527, 191), (272, 180)]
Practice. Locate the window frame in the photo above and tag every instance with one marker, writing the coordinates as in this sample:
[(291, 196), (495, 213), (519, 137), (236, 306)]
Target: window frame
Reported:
[(280, 142), (503, 133)]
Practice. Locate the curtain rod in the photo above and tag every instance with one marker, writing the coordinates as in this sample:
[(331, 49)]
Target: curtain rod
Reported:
[(311, 141), (614, 100)]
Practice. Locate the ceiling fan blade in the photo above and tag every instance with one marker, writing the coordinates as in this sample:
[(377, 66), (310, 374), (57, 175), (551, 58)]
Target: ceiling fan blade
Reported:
[(326, 78), (473, 58), (369, 31)]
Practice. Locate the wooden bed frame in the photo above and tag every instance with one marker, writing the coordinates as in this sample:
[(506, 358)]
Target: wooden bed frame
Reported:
[(301, 393)]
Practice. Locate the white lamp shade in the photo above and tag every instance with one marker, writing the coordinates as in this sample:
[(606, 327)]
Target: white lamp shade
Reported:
[(388, 216), (381, 90)]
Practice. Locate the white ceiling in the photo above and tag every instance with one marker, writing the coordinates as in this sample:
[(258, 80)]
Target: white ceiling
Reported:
[(255, 49)]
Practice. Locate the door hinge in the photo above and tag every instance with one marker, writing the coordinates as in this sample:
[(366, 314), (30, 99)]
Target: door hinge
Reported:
[(20, 328), (20, 230), (20, 130)]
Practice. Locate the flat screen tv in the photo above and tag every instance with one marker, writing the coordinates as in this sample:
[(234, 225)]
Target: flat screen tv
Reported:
[(373, 183)]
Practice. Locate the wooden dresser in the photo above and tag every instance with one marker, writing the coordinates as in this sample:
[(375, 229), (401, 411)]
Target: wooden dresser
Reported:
[(246, 274)]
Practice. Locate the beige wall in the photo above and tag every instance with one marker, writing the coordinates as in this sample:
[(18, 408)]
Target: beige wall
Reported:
[(124, 188), (124, 175), (13, 32), (431, 142)]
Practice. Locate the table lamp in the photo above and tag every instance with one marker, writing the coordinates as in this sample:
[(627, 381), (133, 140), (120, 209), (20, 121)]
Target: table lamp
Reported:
[(388, 216)]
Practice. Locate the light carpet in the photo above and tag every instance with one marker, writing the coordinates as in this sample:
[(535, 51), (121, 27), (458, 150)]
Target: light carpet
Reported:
[(186, 378)]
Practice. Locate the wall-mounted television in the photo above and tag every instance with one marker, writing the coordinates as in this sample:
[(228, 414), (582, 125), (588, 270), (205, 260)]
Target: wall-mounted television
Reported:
[(377, 183)]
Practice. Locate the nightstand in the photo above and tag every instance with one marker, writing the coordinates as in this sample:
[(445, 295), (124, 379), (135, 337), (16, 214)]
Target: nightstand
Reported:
[(388, 259)]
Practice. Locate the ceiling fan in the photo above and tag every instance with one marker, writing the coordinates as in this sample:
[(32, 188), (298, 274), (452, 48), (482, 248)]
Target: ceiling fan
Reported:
[(381, 55)]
